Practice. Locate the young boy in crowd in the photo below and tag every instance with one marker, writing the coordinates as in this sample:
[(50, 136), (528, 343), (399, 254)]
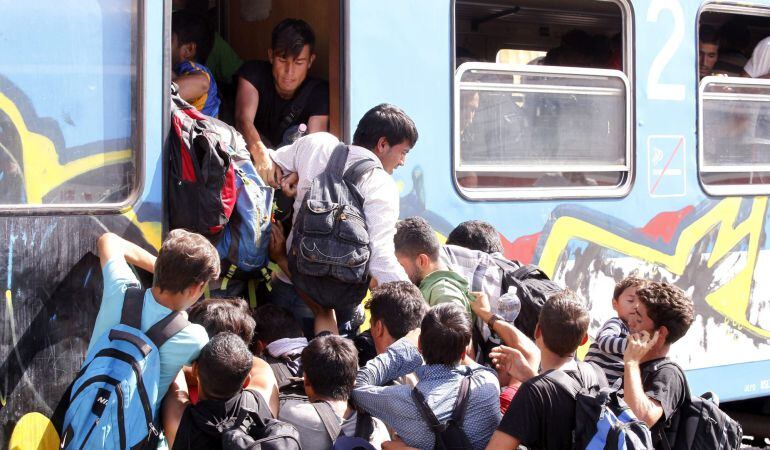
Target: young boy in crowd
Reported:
[(607, 349), (191, 40), (230, 380), (654, 387), (331, 363)]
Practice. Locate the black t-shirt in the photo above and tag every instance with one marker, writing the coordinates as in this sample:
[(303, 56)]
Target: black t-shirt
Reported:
[(202, 424), (542, 414), (665, 382), (273, 108)]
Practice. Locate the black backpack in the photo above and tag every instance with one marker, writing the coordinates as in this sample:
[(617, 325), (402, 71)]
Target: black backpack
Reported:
[(603, 420), (449, 435), (360, 438), (290, 382), (703, 426), (250, 432), (329, 257)]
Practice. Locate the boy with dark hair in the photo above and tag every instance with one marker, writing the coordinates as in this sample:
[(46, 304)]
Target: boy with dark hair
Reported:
[(444, 334), (278, 95), (185, 263), (607, 349), (395, 309), (219, 315), (654, 388), (309, 157), (191, 41), (542, 414), (708, 49), (476, 235), (331, 363), (230, 380), (417, 250)]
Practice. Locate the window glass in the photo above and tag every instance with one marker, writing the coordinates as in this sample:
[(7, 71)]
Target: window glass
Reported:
[(541, 128), (68, 114), (735, 132)]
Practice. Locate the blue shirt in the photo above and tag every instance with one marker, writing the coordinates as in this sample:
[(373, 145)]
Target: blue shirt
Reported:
[(207, 103), (179, 350), (439, 384)]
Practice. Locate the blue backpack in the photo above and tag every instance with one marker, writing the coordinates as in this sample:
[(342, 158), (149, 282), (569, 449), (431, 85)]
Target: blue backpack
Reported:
[(247, 235), (113, 398), (602, 418)]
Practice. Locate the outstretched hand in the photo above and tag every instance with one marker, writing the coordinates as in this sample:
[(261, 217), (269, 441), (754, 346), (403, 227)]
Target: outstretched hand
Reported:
[(480, 305), (513, 362)]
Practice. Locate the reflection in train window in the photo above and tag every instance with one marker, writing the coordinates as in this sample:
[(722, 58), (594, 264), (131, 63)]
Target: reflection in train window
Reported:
[(68, 123), (542, 105)]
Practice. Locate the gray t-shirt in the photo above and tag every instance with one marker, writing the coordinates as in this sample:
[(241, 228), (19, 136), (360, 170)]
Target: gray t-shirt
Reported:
[(313, 435)]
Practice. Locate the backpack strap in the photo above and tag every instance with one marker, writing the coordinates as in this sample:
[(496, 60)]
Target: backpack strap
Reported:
[(530, 271), (297, 106), (358, 169), (329, 419), (336, 163), (461, 404), (426, 412), (564, 381), (133, 302), (166, 327), (364, 425)]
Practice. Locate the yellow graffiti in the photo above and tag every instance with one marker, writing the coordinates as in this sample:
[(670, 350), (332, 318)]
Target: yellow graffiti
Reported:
[(151, 231), (730, 299), (42, 171)]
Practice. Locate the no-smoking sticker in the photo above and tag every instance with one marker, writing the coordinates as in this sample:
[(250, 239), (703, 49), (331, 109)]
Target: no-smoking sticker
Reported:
[(666, 174)]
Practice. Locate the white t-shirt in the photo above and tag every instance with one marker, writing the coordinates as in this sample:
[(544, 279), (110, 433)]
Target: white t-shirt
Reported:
[(312, 433), (759, 63)]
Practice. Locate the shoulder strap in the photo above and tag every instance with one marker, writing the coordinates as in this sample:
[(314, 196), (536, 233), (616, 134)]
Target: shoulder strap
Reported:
[(358, 169), (364, 425), (297, 106), (529, 270), (564, 381), (336, 163), (426, 412), (329, 419), (133, 301), (461, 404), (166, 328)]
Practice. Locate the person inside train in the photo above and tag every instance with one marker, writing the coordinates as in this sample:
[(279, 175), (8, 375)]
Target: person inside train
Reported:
[(708, 50), (541, 414), (734, 40), (758, 66), (191, 41), (654, 387)]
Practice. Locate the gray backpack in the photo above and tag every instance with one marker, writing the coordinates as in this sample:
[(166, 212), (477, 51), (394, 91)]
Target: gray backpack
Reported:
[(329, 257)]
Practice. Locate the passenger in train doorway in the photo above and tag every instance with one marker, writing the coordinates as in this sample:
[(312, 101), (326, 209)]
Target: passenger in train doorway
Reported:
[(277, 102), (708, 50)]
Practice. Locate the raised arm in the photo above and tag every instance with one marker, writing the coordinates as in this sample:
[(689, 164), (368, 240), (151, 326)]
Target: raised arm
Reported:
[(192, 85), (645, 408), (381, 205), (510, 335), (111, 246), (174, 403), (246, 105)]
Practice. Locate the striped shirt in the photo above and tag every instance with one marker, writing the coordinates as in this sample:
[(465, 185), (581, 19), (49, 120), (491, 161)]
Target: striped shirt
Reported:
[(607, 349)]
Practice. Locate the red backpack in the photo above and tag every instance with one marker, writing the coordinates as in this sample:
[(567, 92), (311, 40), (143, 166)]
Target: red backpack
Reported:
[(201, 178)]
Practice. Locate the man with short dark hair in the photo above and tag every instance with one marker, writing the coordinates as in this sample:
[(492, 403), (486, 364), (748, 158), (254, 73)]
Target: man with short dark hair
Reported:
[(395, 309), (708, 50), (331, 363), (185, 263), (230, 380), (444, 334), (542, 414), (476, 235), (385, 134), (219, 315), (654, 388), (270, 92), (417, 250)]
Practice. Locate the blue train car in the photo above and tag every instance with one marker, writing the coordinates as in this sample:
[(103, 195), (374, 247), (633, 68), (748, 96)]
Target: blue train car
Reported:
[(593, 170)]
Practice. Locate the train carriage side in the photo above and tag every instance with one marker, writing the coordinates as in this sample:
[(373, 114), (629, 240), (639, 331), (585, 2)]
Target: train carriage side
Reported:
[(592, 173)]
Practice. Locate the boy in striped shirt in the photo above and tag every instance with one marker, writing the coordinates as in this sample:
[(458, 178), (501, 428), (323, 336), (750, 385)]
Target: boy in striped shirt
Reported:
[(610, 343)]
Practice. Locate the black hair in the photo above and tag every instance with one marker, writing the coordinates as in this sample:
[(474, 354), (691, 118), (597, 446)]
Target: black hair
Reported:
[(563, 322), (708, 35), (192, 27), (330, 364), (445, 332), (223, 365), (290, 36), (388, 121), (399, 305), (414, 236), (476, 235), (218, 315), (273, 323)]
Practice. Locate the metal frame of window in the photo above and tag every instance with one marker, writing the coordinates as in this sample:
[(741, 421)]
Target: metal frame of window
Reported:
[(544, 193), (728, 189), (139, 35)]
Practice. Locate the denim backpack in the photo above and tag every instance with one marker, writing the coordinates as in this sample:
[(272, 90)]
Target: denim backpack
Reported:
[(329, 257), (113, 398)]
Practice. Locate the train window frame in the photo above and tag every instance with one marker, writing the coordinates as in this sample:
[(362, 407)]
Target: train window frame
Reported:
[(622, 189), (722, 190), (136, 137)]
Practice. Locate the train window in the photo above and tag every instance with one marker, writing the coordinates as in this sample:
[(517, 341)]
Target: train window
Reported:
[(68, 116), (733, 101), (552, 115)]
